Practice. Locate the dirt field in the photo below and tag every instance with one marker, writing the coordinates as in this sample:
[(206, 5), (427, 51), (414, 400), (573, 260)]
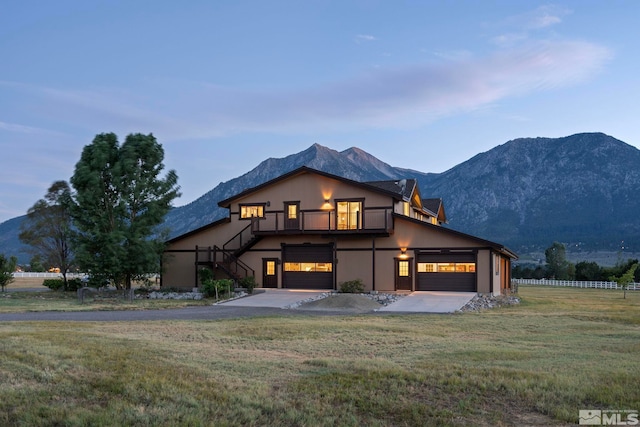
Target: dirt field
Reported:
[(26, 282)]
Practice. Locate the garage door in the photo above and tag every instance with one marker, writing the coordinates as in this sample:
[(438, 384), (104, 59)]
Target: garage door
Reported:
[(446, 272), (307, 266)]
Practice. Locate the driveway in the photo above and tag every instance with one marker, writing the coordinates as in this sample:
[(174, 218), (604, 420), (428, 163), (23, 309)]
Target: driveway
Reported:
[(430, 302), (275, 298), (268, 303), (415, 302)]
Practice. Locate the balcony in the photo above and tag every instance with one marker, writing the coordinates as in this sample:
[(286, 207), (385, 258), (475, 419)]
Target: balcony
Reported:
[(371, 221)]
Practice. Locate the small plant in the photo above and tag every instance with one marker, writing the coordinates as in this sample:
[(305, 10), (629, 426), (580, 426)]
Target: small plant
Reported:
[(249, 283), (625, 279), (213, 288), (74, 284), (53, 284), (352, 287)]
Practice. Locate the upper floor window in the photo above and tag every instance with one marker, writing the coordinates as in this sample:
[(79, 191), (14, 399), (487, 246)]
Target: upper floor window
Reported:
[(406, 209), (252, 211), (349, 215)]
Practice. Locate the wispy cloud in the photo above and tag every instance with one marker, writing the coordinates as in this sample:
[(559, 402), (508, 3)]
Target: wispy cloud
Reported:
[(519, 28), (401, 97), (364, 38)]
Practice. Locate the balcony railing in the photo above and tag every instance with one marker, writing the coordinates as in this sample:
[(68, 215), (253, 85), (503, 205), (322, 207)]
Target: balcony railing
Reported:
[(370, 221)]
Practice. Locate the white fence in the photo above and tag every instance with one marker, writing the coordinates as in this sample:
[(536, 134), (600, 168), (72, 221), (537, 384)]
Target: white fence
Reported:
[(574, 284)]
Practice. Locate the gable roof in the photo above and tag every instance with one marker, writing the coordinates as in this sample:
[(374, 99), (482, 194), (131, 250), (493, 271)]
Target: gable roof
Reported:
[(437, 207), (305, 169)]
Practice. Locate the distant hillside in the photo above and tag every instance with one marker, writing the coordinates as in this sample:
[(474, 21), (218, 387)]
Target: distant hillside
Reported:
[(581, 190)]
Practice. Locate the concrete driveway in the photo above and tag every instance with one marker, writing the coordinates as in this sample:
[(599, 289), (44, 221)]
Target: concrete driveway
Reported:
[(275, 298), (415, 302), (430, 302)]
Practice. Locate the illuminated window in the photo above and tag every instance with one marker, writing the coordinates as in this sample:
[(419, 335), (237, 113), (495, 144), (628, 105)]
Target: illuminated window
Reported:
[(309, 267), (292, 211), (403, 268), (349, 215), (271, 268), (427, 267), (447, 267), (251, 211), (406, 208)]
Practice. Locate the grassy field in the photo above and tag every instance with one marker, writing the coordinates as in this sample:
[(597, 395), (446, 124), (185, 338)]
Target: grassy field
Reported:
[(538, 363), (15, 302)]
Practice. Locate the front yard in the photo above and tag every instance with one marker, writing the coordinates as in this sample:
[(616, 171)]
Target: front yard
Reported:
[(537, 363)]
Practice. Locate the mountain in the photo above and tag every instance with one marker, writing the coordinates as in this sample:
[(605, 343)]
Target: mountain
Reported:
[(581, 190), (353, 163)]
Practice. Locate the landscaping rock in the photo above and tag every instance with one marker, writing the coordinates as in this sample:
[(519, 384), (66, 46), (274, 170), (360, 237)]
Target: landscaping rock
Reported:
[(486, 302), (175, 295)]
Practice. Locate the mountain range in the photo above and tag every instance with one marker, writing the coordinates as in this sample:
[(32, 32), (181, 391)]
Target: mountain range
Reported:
[(582, 190)]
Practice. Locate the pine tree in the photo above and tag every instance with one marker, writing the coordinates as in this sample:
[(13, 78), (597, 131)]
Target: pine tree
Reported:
[(120, 200)]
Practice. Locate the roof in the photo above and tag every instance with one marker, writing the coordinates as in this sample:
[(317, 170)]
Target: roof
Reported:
[(305, 169), (199, 229), (488, 243), (437, 207), (402, 187)]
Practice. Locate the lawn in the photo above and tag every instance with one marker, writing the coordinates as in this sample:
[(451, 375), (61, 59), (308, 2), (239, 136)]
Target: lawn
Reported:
[(538, 363)]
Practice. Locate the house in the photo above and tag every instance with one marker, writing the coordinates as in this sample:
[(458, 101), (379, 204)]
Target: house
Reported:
[(309, 229)]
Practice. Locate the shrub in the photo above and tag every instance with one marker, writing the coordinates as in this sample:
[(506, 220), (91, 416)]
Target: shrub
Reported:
[(213, 288), (352, 286), (74, 284), (249, 283), (54, 284)]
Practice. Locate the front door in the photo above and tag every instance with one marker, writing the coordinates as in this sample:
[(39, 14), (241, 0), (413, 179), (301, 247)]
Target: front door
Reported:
[(269, 273), (404, 274), (292, 215)]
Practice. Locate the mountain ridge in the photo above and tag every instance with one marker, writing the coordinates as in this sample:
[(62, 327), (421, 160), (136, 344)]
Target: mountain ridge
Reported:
[(525, 193)]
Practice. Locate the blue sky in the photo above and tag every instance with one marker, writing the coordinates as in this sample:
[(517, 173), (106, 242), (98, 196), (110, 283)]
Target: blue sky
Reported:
[(224, 85)]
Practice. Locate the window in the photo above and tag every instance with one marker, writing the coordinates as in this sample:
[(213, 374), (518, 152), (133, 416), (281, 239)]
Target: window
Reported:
[(309, 267), (403, 268), (406, 208), (349, 215), (292, 211), (251, 211), (446, 267), (271, 268)]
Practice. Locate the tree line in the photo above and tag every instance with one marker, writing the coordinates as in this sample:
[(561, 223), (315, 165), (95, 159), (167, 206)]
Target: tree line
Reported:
[(105, 220), (558, 267)]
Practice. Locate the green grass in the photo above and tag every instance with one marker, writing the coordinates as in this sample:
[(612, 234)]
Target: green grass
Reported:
[(538, 363), (15, 302)]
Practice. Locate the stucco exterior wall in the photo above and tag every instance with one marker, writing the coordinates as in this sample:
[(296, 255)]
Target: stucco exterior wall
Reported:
[(369, 257), (483, 271)]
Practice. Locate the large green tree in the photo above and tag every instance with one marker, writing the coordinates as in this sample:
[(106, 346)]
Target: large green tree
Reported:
[(47, 228), (120, 200), (557, 265)]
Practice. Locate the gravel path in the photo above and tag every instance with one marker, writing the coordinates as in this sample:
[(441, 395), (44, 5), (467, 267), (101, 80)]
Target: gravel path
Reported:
[(189, 313)]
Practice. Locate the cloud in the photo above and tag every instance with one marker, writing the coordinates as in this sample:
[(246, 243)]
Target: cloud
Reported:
[(401, 97), (519, 28), (363, 38)]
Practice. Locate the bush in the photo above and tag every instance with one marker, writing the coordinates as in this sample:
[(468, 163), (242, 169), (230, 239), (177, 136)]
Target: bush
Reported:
[(74, 284), (213, 288), (249, 283), (54, 284), (58, 284), (352, 287)]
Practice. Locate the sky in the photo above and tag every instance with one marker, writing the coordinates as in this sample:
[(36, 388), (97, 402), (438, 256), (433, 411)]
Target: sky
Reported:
[(224, 85)]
